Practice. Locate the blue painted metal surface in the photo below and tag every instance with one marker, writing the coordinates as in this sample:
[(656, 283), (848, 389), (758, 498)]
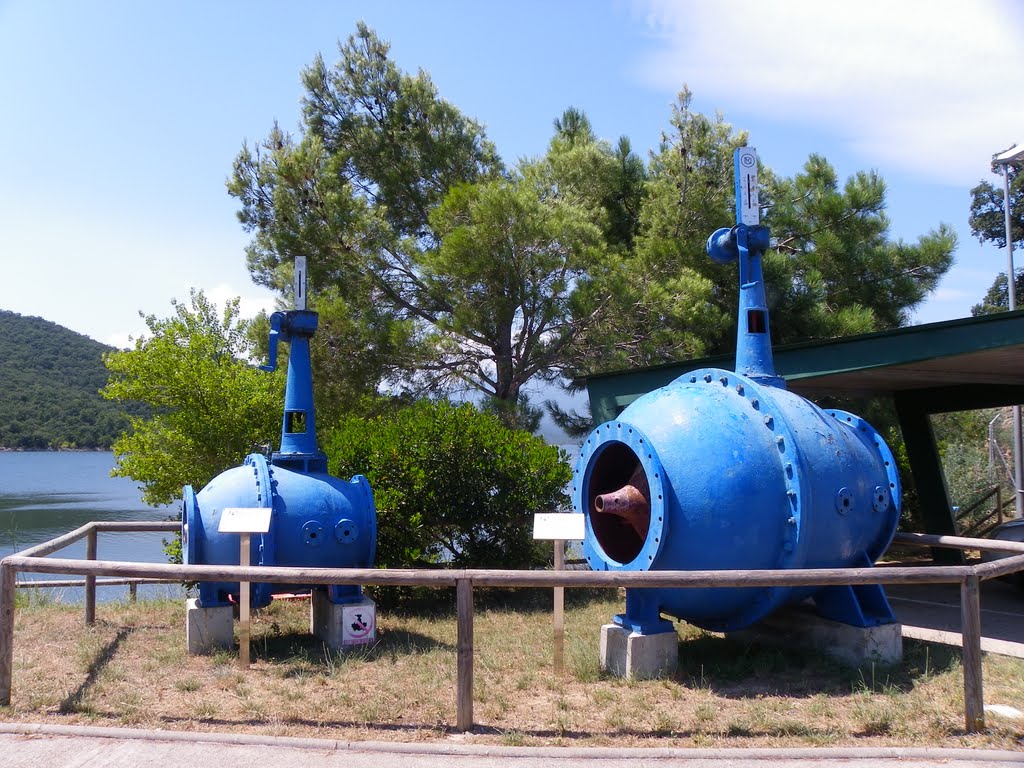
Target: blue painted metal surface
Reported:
[(727, 470), (317, 520)]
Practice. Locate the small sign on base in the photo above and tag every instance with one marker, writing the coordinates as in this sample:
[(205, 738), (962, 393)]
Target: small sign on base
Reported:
[(342, 625), (359, 624)]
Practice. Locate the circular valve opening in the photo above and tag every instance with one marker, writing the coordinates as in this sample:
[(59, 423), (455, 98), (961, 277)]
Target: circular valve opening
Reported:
[(619, 502)]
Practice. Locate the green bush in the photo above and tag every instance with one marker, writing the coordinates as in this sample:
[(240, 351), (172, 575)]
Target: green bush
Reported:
[(967, 473), (451, 484)]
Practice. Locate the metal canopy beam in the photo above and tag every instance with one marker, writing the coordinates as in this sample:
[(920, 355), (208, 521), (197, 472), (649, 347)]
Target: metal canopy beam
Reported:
[(956, 365), (980, 351)]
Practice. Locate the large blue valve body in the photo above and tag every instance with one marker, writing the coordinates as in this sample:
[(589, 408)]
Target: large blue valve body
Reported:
[(318, 521), (731, 471), (741, 475)]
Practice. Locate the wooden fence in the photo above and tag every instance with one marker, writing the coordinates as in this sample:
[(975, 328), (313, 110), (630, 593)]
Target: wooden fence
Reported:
[(35, 560)]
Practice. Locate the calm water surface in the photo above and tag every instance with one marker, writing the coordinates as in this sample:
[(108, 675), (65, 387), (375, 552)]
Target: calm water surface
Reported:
[(46, 494)]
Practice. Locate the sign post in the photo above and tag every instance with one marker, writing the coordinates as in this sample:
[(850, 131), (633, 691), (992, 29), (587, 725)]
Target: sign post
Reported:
[(244, 521), (558, 527)]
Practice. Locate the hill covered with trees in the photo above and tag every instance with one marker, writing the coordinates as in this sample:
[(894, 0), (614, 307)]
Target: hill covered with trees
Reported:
[(49, 382)]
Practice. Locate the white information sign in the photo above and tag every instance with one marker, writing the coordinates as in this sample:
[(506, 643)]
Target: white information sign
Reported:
[(245, 520), (553, 526), (746, 186)]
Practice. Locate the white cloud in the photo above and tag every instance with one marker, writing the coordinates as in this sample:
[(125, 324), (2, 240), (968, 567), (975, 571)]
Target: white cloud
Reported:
[(123, 339), (248, 306), (928, 85), (95, 273)]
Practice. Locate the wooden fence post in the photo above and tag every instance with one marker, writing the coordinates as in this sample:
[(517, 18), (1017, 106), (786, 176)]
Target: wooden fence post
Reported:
[(8, 576), (90, 581), (464, 689), (970, 629)]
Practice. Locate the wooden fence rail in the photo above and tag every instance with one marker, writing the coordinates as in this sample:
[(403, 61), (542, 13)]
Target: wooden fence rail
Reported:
[(34, 560), (985, 524)]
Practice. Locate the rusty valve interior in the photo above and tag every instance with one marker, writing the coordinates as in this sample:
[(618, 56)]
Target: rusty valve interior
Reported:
[(619, 502)]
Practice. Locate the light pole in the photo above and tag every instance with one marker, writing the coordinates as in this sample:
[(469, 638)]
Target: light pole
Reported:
[(1005, 159)]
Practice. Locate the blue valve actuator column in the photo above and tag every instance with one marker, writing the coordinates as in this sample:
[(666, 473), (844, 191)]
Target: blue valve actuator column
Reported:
[(746, 243), (298, 428)]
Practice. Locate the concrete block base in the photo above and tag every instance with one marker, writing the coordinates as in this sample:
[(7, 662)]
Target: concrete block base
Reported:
[(208, 629), (344, 625), (638, 657), (800, 627)]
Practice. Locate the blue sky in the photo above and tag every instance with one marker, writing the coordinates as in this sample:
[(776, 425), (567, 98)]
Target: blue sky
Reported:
[(121, 119)]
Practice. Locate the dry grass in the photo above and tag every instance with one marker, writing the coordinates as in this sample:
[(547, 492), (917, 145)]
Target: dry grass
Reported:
[(130, 669)]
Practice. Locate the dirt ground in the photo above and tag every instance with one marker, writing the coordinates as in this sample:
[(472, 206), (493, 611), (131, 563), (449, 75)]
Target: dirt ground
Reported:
[(131, 669)]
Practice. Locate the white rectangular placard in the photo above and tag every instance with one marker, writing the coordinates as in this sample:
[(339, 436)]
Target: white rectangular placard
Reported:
[(300, 282), (746, 187), (245, 520), (558, 525)]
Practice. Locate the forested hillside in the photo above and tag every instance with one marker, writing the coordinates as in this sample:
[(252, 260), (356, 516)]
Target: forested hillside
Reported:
[(49, 377)]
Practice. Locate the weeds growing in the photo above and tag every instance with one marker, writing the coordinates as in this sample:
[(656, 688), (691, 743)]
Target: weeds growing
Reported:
[(130, 668)]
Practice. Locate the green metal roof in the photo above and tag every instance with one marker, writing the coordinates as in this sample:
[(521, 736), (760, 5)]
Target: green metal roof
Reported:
[(954, 365)]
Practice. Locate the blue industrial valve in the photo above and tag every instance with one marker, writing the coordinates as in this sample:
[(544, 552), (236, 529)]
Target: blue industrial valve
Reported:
[(316, 521), (727, 470)]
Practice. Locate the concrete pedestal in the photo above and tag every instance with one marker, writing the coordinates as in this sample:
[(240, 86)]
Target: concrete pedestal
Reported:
[(208, 629), (342, 625), (800, 627), (638, 657)]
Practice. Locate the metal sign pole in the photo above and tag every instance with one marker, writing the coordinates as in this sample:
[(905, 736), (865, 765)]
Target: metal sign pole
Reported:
[(1012, 156), (244, 521), (558, 527), (243, 606), (558, 621)]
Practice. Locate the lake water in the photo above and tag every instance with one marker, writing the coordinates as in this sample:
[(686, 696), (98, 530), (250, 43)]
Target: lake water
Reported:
[(46, 494)]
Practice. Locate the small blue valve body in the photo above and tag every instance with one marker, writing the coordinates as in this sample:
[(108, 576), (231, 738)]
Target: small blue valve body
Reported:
[(317, 520)]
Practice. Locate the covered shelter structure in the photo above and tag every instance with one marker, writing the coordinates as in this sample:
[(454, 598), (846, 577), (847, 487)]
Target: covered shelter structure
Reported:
[(955, 365)]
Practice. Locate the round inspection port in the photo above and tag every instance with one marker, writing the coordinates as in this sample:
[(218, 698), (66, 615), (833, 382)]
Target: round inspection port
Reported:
[(312, 533), (619, 502), (346, 531)]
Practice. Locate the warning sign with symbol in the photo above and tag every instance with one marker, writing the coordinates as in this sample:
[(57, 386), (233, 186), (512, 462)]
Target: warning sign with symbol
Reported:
[(359, 624), (748, 210)]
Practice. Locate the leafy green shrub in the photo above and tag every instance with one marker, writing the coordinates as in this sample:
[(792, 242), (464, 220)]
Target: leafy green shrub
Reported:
[(207, 405), (451, 484), (967, 473)]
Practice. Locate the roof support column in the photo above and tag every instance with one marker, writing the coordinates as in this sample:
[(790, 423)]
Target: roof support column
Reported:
[(926, 468)]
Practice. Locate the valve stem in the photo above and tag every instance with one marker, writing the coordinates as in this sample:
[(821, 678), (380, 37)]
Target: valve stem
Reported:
[(631, 502)]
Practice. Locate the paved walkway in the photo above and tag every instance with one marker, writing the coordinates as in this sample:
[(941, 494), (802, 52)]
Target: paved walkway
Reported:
[(932, 612), (27, 746)]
